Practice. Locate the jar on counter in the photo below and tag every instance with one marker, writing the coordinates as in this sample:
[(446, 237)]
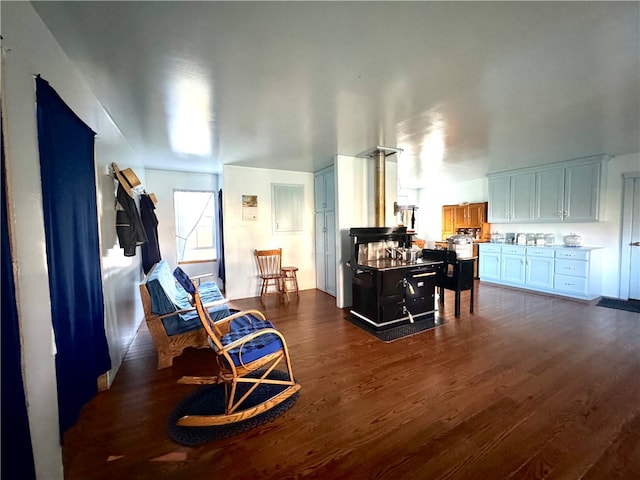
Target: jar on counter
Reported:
[(540, 241), (531, 238), (549, 239)]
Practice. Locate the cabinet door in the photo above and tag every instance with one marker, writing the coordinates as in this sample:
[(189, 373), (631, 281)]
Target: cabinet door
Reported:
[(447, 221), (489, 266), (320, 251), (522, 197), (330, 256), (512, 270), (549, 196), (539, 272), (324, 190), (477, 214), (460, 216), (499, 199), (581, 186)]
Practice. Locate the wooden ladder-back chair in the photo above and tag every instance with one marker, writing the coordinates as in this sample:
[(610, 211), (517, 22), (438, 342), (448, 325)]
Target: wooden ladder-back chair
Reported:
[(270, 267), (246, 357)]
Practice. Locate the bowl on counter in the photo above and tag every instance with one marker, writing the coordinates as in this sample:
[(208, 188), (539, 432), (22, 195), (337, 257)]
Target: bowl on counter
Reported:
[(572, 240)]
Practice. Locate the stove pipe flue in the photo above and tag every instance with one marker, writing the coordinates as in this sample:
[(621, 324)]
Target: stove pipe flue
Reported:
[(379, 154), (379, 190)]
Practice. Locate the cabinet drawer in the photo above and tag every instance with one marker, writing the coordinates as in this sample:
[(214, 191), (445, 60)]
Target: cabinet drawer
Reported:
[(489, 248), (576, 268), (563, 283), (572, 253), (513, 250), (540, 252)]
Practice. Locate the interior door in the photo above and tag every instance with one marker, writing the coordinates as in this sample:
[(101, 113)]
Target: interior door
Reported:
[(634, 244)]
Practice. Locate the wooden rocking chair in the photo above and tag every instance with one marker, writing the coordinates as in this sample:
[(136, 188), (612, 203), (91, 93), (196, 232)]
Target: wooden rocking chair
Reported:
[(245, 356)]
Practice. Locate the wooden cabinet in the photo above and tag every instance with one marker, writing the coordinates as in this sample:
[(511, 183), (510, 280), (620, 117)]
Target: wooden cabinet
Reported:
[(325, 230), (465, 215)]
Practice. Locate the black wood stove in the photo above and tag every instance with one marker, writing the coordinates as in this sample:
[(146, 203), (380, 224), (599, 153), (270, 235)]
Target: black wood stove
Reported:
[(388, 291)]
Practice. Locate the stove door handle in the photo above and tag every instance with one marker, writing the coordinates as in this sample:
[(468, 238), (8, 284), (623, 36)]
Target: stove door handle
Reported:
[(427, 274)]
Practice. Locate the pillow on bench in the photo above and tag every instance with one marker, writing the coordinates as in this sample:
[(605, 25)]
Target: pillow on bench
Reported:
[(168, 296)]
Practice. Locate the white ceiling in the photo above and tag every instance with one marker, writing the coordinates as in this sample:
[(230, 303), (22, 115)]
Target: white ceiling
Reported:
[(463, 88)]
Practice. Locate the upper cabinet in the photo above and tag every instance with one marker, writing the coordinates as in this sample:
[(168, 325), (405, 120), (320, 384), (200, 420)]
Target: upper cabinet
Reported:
[(511, 197), (324, 190), (561, 192), (568, 194), (465, 215)]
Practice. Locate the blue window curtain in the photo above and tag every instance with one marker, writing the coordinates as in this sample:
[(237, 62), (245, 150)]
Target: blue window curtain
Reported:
[(67, 169), (17, 453)]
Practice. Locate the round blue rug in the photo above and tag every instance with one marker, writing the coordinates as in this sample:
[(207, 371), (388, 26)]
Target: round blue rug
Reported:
[(209, 400)]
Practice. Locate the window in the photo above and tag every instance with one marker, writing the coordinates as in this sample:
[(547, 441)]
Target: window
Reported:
[(288, 207), (195, 226)]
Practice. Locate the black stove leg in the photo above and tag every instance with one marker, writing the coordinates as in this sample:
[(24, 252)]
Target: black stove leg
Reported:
[(471, 300), (457, 312)]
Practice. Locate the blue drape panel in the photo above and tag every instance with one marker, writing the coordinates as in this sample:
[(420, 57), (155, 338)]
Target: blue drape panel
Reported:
[(17, 453), (67, 169)]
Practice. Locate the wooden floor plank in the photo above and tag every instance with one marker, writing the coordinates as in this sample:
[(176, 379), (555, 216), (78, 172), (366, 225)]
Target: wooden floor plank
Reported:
[(529, 386)]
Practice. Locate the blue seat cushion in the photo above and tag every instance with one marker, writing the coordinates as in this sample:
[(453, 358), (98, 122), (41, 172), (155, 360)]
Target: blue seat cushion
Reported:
[(185, 322), (255, 348)]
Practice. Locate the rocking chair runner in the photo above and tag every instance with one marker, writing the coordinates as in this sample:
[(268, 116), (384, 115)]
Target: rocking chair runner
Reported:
[(245, 356)]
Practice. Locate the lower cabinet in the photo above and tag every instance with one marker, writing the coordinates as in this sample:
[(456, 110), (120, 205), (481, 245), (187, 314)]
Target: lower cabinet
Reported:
[(572, 272), (489, 261)]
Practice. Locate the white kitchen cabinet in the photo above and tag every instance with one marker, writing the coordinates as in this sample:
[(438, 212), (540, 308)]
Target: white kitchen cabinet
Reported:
[(512, 267), (539, 268), (578, 272), (489, 261), (573, 272), (325, 230), (511, 198), (569, 193)]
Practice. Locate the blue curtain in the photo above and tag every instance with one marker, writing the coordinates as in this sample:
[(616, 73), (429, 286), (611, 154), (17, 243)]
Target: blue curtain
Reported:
[(67, 169), (221, 267), (17, 451)]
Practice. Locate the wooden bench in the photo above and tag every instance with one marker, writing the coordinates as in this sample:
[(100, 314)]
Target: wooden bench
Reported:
[(171, 319)]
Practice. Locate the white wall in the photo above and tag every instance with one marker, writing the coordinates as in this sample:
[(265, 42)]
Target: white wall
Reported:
[(29, 49), (355, 208), (242, 237), (163, 183)]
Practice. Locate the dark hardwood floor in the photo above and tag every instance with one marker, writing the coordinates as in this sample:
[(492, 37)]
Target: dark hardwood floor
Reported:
[(527, 387)]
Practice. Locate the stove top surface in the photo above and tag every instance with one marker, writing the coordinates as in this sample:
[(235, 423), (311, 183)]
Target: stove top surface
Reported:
[(390, 264)]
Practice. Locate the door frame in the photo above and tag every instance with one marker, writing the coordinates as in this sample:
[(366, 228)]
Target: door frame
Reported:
[(625, 237)]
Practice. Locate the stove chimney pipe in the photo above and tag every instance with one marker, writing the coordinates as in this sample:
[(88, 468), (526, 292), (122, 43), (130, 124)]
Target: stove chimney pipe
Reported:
[(379, 190)]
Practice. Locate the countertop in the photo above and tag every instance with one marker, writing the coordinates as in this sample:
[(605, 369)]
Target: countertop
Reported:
[(391, 264), (558, 246)]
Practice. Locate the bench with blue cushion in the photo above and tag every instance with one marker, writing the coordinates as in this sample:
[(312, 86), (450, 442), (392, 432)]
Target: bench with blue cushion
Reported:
[(168, 296), (172, 321)]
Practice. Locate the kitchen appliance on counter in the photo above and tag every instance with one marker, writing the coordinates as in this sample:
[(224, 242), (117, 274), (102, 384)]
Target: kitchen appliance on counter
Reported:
[(461, 244), (388, 290)]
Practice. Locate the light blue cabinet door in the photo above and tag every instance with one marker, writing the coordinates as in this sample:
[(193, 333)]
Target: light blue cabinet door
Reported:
[(582, 183), (489, 266), (549, 195), (499, 210), (522, 197), (513, 269), (330, 258), (539, 272)]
